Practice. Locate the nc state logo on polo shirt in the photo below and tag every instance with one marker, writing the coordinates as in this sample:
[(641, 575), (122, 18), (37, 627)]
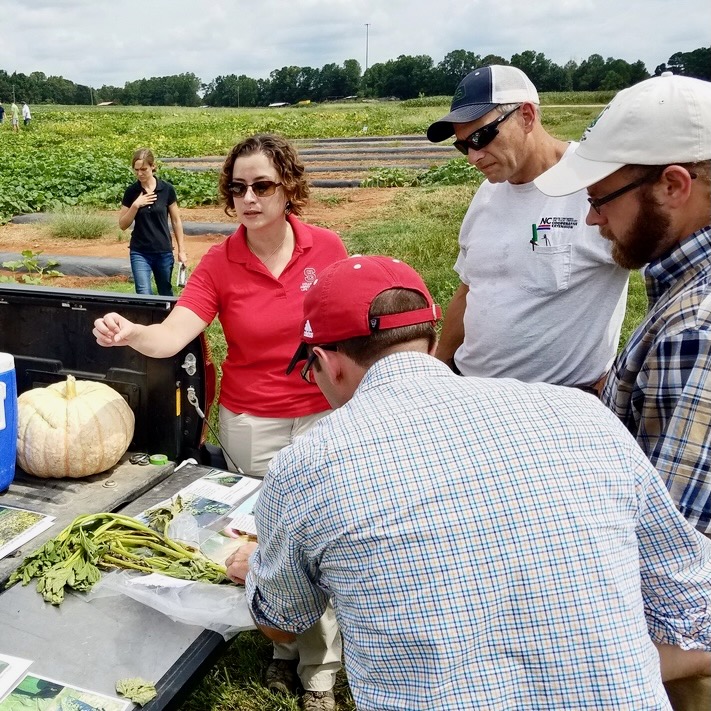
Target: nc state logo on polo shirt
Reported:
[(309, 278)]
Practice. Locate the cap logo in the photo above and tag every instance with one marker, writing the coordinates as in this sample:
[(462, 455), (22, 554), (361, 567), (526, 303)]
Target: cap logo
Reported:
[(458, 94), (308, 331), (592, 125)]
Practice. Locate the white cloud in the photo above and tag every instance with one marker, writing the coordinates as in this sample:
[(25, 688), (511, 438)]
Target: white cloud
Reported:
[(98, 42)]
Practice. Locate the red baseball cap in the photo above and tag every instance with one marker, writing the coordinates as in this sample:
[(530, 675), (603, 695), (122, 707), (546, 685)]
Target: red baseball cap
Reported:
[(337, 306)]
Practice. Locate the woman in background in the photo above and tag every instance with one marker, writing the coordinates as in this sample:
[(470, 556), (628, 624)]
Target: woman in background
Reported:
[(148, 204)]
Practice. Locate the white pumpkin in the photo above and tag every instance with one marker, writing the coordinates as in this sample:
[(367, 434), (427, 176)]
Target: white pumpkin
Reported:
[(72, 429)]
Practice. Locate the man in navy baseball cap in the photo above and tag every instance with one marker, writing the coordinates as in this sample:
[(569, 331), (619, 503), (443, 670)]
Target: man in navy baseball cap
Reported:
[(529, 266)]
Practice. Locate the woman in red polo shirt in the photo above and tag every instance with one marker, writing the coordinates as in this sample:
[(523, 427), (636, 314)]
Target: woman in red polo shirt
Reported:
[(255, 282)]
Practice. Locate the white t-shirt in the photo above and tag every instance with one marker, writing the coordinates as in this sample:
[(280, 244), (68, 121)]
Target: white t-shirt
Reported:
[(552, 313)]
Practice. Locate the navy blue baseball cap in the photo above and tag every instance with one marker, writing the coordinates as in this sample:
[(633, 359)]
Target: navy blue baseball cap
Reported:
[(482, 91)]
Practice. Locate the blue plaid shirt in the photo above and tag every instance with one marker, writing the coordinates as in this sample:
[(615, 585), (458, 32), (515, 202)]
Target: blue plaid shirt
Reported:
[(486, 544), (660, 384)]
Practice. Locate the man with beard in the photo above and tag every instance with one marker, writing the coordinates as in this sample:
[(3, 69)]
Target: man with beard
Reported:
[(645, 163), (528, 265)]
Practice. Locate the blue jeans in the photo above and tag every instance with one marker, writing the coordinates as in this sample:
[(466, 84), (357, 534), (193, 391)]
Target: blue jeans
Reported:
[(158, 264)]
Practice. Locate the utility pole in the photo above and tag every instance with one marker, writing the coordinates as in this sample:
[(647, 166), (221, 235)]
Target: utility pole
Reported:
[(367, 25)]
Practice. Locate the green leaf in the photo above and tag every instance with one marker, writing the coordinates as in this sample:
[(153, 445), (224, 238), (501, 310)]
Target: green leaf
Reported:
[(137, 690)]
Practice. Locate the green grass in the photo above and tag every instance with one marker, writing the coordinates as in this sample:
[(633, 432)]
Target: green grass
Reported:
[(576, 97), (76, 222), (332, 200), (420, 227), (636, 307), (234, 683)]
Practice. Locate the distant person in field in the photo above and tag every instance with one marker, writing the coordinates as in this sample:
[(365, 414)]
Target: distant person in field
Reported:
[(15, 116), (148, 204), (541, 298), (2, 113), (26, 115)]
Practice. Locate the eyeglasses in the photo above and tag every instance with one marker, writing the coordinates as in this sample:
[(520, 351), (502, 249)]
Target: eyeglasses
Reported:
[(651, 176), (482, 136), (261, 188), (306, 372)]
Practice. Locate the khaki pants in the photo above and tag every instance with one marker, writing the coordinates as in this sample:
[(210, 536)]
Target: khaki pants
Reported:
[(318, 651), (251, 442)]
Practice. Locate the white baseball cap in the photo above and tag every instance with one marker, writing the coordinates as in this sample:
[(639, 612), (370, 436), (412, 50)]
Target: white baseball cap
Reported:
[(660, 121)]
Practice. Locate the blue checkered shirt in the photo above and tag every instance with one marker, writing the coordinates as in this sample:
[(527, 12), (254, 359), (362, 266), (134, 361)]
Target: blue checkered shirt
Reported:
[(660, 384), (486, 544)]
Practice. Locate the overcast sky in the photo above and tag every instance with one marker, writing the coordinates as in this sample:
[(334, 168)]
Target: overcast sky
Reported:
[(97, 42)]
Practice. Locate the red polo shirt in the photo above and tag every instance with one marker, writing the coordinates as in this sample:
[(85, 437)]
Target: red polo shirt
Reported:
[(261, 316)]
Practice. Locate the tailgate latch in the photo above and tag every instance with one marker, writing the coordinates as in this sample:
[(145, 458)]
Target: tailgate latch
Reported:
[(190, 364)]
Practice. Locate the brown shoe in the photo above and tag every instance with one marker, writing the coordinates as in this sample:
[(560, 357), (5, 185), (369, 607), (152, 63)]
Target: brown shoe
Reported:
[(318, 701), (281, 676)]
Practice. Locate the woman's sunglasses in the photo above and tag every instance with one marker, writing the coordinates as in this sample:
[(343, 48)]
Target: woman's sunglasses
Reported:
[(482, 136), (261, 188)]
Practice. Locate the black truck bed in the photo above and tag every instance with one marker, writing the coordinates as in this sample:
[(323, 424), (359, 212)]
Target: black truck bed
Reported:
[(49, 332)]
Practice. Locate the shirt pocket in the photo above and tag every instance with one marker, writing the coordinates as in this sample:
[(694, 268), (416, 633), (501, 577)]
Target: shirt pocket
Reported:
[(547, 269)]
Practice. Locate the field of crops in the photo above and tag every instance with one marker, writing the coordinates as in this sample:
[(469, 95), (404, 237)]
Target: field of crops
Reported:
[(81, 155)]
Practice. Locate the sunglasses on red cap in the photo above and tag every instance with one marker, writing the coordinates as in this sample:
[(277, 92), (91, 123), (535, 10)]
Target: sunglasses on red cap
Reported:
[(311, 359)]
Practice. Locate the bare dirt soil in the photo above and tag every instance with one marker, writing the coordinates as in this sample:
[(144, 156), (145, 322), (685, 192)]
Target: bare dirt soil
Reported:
[(337, 209)]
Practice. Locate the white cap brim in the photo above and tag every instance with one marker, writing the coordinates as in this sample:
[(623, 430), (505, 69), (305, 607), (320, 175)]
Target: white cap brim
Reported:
[(573, 173)]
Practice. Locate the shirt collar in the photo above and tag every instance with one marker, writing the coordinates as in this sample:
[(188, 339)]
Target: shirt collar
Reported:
[(160, 184), (405, 365), (238, 251), (678, 265)]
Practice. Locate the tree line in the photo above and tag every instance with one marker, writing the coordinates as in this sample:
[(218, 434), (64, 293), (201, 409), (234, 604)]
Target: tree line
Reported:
[(404, 78)]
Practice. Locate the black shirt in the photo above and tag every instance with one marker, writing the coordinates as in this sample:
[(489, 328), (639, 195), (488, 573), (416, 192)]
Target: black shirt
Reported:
[(151, 232)]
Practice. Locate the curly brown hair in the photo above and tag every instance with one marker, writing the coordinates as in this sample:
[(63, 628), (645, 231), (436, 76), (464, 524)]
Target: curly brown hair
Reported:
[(283, 155)]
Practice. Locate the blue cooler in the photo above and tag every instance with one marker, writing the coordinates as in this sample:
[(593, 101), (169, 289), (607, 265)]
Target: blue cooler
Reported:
[(8, 420)]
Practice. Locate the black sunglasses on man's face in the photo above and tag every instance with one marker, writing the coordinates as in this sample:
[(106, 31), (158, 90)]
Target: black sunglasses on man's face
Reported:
[(306, 371), (483, 136)]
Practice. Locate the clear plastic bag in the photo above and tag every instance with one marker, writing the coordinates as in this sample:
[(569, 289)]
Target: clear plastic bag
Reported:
[(220, 608)]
